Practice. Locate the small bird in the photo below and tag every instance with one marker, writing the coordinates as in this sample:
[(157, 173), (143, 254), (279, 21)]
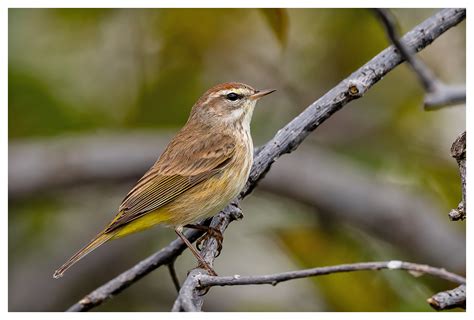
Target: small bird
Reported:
[(202, 169)]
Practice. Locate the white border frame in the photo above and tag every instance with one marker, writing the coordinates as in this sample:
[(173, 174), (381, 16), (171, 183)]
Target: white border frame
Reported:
[(5, 4)]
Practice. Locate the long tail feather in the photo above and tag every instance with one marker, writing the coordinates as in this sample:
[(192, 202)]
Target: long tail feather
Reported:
[(100, 239)]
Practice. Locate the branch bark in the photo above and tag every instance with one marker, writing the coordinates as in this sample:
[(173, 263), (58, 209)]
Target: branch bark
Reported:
[(450, 299), (438, 94), (288, 138), (458, 151)]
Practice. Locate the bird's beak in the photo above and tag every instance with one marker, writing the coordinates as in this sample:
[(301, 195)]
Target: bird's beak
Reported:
[(258, 94)]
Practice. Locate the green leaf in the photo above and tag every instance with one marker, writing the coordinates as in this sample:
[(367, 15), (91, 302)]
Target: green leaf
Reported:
[(278, 21)]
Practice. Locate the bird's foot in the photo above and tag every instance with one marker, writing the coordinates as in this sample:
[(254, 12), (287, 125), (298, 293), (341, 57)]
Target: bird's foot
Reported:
[(211, 233)]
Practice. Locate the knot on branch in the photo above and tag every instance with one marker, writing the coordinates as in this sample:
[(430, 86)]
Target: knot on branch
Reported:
[(234, 211), (457, 214), (355, 88), (458, 149)]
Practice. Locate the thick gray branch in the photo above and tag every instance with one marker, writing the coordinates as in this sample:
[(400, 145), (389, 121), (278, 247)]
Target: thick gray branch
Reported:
[(450, 299), (273, 279), (458, 151), (438, 94), (288, 138)]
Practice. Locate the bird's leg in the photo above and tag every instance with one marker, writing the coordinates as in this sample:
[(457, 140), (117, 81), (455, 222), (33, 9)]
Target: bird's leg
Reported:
[(210, 232), (202, 262)]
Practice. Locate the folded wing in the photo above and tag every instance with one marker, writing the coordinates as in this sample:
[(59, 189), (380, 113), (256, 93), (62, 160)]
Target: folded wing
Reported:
[(182, 166)]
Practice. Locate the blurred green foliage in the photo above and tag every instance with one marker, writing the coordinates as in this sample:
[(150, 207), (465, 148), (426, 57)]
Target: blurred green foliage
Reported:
[(278, 20), (361, 291)]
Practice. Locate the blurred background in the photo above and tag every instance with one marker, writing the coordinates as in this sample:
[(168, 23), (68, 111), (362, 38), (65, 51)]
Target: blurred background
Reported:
[(95, 95)]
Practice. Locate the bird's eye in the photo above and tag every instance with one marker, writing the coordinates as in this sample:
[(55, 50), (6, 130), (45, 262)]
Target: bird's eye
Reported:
[(233, 96)]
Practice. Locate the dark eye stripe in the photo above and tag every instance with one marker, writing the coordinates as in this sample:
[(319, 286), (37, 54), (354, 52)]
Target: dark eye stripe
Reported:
[(233, 96)]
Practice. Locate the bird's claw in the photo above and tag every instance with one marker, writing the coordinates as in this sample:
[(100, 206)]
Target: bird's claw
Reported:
[(211, 233)]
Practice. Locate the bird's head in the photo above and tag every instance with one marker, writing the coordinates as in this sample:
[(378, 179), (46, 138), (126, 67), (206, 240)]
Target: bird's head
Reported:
[(229, 103)]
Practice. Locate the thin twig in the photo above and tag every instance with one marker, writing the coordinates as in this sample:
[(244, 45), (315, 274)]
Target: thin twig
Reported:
[(450, 299), (438, 94), (273, 279), (173, 275), (285, 141), (426, 77)]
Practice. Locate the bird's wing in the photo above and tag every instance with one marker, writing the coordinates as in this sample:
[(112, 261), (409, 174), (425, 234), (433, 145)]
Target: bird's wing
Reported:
[(181, 167)]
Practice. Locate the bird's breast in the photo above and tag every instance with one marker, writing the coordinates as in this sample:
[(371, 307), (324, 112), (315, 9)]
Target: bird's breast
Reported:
[(212, 195)]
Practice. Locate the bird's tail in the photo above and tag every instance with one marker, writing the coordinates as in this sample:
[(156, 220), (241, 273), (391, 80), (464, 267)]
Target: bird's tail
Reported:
[(100, 239)]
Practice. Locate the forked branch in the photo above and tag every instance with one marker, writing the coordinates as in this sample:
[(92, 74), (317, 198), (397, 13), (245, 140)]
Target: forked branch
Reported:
[(438, 94)]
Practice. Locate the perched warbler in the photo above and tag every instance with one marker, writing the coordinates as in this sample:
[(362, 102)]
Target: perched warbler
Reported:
[(202, 169)]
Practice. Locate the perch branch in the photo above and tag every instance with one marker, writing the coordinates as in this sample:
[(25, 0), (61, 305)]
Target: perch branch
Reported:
[(289, 138), (450, 299), (458, 152), (438, 94)]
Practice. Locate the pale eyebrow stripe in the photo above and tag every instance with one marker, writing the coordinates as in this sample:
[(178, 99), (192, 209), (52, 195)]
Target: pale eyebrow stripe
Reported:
[(227, 91)]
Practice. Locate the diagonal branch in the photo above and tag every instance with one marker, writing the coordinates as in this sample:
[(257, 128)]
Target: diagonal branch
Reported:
[(286, 140), (438, 94)]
